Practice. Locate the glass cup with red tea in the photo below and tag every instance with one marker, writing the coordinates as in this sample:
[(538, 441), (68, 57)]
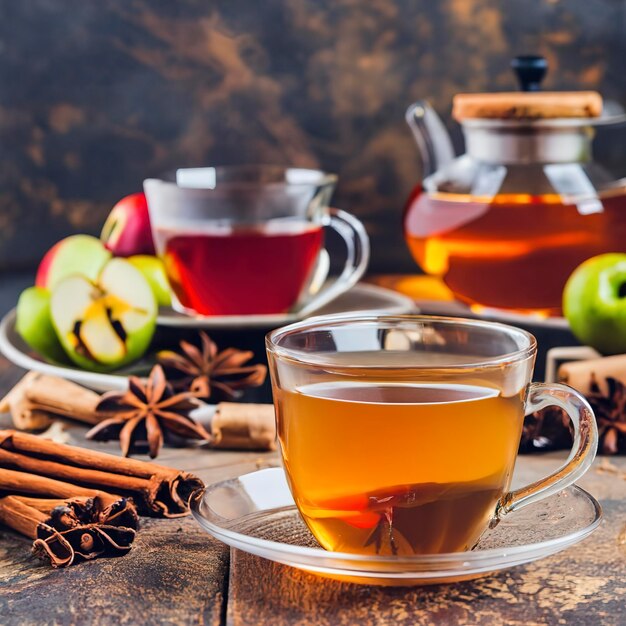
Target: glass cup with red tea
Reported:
[(249, 240)]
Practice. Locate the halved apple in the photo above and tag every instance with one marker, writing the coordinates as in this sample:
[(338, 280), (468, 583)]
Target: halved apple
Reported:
[(106, 323), (76, 254)]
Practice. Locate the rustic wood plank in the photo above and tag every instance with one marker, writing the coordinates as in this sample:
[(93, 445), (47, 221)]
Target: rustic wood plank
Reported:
[(175, 574), (582, 585)]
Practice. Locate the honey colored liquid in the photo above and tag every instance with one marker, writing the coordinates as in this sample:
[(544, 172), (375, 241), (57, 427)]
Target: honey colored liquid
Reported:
[(398, 468), (513, 251), (243, 270)]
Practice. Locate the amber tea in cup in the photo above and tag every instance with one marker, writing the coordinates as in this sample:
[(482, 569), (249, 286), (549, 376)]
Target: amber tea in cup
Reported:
[(442, 502), (399, 434)]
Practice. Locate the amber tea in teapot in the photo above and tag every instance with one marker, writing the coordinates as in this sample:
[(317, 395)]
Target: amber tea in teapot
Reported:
[(510, 251), (505, 224)]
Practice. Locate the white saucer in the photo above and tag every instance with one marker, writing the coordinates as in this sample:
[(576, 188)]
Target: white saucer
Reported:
[(256, 513), (361, 298)]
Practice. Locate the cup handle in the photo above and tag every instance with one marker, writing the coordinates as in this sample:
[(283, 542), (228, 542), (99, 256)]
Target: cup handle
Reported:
[(581, 457), (352, 231)]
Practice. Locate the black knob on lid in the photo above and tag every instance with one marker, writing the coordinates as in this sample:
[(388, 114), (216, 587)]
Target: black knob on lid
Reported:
[(530, 71)]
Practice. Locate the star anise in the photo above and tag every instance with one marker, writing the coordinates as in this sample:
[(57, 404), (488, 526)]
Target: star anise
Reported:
[(610, 411), (547, 429), (145, 411), (205, 370), (81, 529), (550, 428)]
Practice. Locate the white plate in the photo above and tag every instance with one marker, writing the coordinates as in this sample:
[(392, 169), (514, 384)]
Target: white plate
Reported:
[(361, 298), (256, 513)]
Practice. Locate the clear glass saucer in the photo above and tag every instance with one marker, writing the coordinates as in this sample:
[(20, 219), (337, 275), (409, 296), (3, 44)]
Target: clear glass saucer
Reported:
[(256, 513)]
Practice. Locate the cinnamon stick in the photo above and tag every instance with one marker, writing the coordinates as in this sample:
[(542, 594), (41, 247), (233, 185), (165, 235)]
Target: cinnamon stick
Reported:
[(25, 415), (156, 489), (20, 516), (15, 482), (244, 426), (579, 374), (36, 396)]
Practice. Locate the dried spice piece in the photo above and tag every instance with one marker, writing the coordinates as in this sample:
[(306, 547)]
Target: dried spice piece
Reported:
[(383, 536), (37, 398), (610, 412), (57, 495), (145, 411), (49, 469), (205, 370), (83, 529), (72, 530), (548, 429), (239, 426)]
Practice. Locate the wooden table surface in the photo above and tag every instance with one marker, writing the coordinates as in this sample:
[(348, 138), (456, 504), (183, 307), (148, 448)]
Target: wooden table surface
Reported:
[(177, 574)]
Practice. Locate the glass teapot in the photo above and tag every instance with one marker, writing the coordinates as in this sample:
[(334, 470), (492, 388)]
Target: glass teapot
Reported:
[(505, 224)]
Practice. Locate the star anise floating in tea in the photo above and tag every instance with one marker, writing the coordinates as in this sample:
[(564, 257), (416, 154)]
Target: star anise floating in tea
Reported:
[(382, 537), (205, 370), (146, 411), (610, 412)]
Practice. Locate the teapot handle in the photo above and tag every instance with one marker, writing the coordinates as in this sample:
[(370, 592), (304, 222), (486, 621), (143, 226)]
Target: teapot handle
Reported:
[(433, 140)]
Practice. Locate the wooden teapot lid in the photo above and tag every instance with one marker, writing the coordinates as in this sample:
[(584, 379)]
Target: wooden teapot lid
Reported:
[(527, 105), (530, 103)]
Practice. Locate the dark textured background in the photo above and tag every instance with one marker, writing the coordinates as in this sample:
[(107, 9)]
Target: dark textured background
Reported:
[(95, 96)]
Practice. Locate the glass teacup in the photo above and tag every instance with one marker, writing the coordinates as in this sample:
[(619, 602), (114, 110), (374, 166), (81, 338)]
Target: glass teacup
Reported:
[(249, 240), (399, 435)]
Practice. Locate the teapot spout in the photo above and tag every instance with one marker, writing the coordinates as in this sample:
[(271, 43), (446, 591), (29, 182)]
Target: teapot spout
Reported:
[(433, 140)]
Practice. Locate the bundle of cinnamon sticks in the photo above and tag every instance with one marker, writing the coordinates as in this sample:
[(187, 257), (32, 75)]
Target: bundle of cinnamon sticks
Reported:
[(78, 504)]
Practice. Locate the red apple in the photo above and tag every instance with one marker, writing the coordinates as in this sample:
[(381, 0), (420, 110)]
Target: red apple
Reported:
[(127, 229), (77, 254)]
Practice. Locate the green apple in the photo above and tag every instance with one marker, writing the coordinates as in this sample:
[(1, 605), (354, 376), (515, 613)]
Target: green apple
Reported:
[(34, 325), (78, 254), (106, 323), (594, 302), (154, 272)]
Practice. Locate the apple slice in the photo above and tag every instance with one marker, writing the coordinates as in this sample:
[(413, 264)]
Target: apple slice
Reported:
[(104, 324), (98, 335)]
